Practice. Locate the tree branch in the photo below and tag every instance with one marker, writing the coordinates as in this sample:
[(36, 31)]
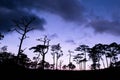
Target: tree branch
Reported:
[(26, 37), (30, 29), (18, 32), (28, 23)]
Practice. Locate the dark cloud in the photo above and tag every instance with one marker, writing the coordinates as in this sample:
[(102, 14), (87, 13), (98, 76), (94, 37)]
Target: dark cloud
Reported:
[(106, 26), (10, 10), (70, 10), (70, 41), (104, 16), (6, 20)]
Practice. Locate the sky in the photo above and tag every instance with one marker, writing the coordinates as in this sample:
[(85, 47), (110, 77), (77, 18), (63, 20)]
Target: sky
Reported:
[(68, 22)]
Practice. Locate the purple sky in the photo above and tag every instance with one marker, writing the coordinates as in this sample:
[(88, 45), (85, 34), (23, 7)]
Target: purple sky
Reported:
[(69, 22)]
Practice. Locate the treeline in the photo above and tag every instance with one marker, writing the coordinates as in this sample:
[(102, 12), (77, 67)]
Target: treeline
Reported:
[(105, 55)]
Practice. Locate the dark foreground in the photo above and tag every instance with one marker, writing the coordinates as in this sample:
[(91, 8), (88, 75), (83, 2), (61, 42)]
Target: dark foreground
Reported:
[(19, 73)]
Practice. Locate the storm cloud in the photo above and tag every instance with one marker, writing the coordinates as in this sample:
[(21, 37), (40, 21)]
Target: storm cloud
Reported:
[(106, 26), (70, 10)]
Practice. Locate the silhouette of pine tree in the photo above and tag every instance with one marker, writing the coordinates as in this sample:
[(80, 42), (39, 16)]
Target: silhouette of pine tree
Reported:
[(23, 27), (42, 49)]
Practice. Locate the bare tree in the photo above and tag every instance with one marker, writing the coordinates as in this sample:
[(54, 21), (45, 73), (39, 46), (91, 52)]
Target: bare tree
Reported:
[(22, 26)]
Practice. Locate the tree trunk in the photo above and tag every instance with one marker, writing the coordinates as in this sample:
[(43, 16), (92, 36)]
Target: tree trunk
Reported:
[(99, 64), (85, 62), (56, 63), (43, 61), (84, 65), (94, 65), (110, 60), (53, 61), (20, 46), (103, 62), (80, 67), (69, 60), (106, 61)]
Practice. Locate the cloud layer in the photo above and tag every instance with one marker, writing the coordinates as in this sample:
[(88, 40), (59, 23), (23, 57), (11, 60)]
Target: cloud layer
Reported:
[(110, 26), (69, 10)]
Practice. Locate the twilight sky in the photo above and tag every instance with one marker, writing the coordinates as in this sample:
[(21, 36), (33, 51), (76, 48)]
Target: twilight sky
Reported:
[(69, 22)]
